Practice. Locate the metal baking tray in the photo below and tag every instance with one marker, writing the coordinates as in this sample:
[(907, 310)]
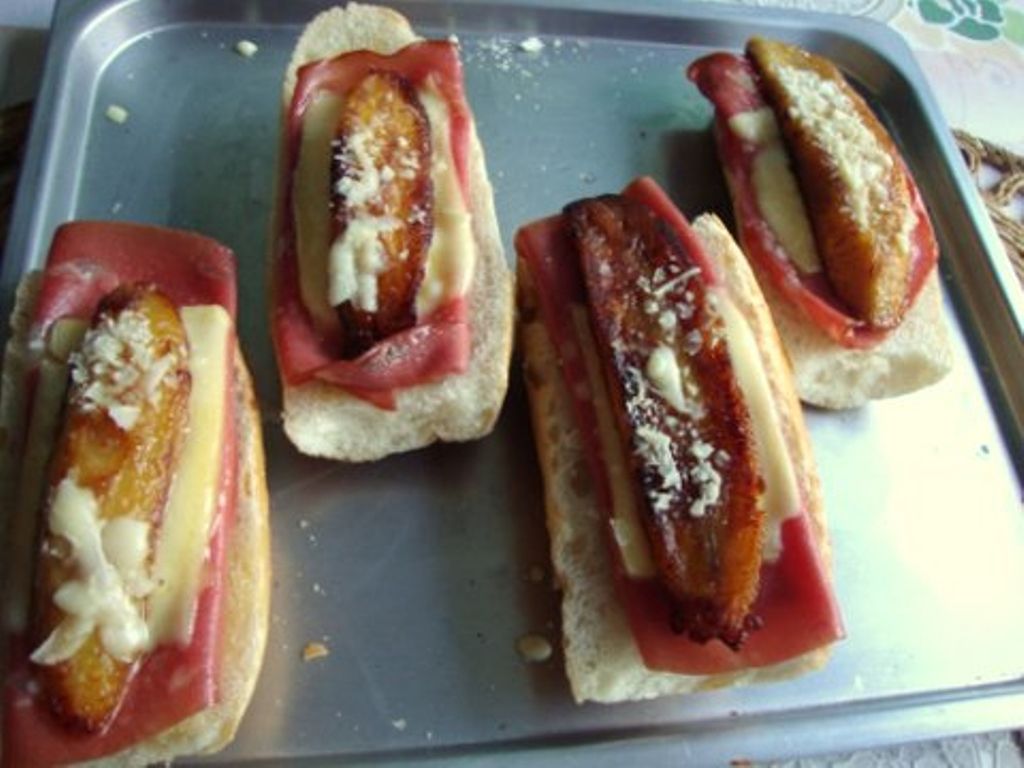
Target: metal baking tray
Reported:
[(419, 572)]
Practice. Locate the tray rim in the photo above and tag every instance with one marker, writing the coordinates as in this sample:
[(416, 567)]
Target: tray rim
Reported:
[(978, 713), (712, 742)]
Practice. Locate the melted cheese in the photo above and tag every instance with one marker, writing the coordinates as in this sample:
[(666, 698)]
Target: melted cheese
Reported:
[(311, 202), (126, 544), (626, 525), (112, 555), (756, 126), (775, 187), (352, 262), (781, 497), (782, 205), (663, 371), (98, 599), (192, 501), (656, 447), (452, 254), (357, 256)]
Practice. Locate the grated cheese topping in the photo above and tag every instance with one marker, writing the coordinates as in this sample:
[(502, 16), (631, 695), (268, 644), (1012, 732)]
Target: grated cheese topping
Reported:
[(357, 257), (110, 557), (664, 380), (705, 477), (656, 450), (862, 162), (117, 369)]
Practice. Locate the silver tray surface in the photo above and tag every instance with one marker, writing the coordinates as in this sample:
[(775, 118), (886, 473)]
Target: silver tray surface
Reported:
[(416, 571)]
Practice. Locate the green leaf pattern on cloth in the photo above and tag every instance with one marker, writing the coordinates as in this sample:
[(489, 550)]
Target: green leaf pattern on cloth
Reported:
[(974, 19), (1014, 27)]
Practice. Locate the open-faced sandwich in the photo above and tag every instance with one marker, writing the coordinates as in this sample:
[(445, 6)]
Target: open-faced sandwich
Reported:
[(391, 299), (135, 560), (683, 505), (833, 224)]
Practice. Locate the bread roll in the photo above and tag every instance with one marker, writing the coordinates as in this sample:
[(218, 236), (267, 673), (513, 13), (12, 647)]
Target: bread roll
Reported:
[(323, 420), (602, 661)]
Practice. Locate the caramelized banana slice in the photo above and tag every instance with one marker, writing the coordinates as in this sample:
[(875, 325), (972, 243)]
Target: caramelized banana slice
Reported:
[(680, 413), (382, 205), (852, 178), (109, 476)]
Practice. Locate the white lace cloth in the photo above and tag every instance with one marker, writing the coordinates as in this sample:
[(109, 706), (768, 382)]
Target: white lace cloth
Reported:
[(992, 750), (882, 10)]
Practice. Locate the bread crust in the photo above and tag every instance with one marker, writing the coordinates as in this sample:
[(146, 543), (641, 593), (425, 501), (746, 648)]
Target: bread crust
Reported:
[(916, 354), (323, 420), (246, 611), (602, 661)]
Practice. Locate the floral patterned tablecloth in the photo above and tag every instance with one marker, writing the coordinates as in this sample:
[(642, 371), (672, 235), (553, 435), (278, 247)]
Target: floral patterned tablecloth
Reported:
[(972, 52)]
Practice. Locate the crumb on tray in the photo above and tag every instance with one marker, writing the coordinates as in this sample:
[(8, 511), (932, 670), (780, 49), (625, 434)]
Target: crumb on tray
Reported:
[(246, 48), (534, 648), (532, 44), (314, 651), (117, 114)]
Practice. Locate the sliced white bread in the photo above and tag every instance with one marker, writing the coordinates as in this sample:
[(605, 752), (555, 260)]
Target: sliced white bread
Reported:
[(916, 354), (602, 661), (322, 420)]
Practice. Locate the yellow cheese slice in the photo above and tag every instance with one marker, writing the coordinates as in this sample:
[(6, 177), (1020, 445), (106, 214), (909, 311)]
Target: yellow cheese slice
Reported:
[(781, 497), (192, 501), (627, 527), (775, 186), (452, 254)]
